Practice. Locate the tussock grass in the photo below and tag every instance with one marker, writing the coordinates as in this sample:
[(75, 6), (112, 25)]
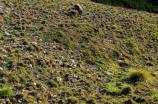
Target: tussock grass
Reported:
[(5, 92), (140, 75)]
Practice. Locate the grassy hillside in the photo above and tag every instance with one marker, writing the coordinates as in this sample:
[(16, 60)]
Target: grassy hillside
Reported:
[(50, 54), (146, 5)]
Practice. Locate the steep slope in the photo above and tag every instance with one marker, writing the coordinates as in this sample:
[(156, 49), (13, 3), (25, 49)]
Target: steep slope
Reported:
[(50, 54)]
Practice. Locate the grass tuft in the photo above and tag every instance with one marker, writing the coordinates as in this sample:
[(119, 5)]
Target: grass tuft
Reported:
[(5, 92), (127, 90), (113, 89), (139, 75)]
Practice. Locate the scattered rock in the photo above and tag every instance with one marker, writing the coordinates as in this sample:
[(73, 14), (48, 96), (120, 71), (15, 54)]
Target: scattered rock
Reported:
[(12, 68), (34, 43), (30, 65), (45, 52), (58, 62), (7, 33), (8, 101), (53, 96), (57, 79), (43, 88), (61, 57), (74, 76), (19, 101), (14, 46), (54, 47), (2, 49), (108, 74), (1, 68), (87, 70)]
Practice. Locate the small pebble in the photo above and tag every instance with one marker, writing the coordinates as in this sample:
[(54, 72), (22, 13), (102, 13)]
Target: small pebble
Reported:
[(57, 79), (30, 65), (19, 101), (1, 68), (53, 96), (7, 33), (54, 47), (42, 87)]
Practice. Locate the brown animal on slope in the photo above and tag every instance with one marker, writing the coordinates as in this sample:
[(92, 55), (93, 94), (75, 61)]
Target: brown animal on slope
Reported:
[(78, 8)]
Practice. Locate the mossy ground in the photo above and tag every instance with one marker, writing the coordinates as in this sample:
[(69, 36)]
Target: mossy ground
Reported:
[(50, 54)]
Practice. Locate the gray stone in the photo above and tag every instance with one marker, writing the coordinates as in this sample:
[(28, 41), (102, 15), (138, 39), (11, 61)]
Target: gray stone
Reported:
[(54, 47), (53, 96), (108, 74), (2, 49), (7, 33), (7, 100), (19, 46), (59, 62), (57, 79), (74, 76), (43, 88), (34, 43), (30, 65), (14, 46), (1, 68)]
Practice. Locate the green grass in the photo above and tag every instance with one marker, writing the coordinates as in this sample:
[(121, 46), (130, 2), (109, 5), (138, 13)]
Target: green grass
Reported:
[(97, 55), (113, 89), (139, 75), (155, 95), (127, 90), (6, 92)]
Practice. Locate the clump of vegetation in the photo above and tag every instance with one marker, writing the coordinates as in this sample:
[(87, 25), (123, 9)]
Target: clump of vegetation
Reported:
[(5, 92), (138, 75), (53, 84), (113, 89), (72, 100), (127, 90), (15, 79), (19, 96), (4, 81)]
